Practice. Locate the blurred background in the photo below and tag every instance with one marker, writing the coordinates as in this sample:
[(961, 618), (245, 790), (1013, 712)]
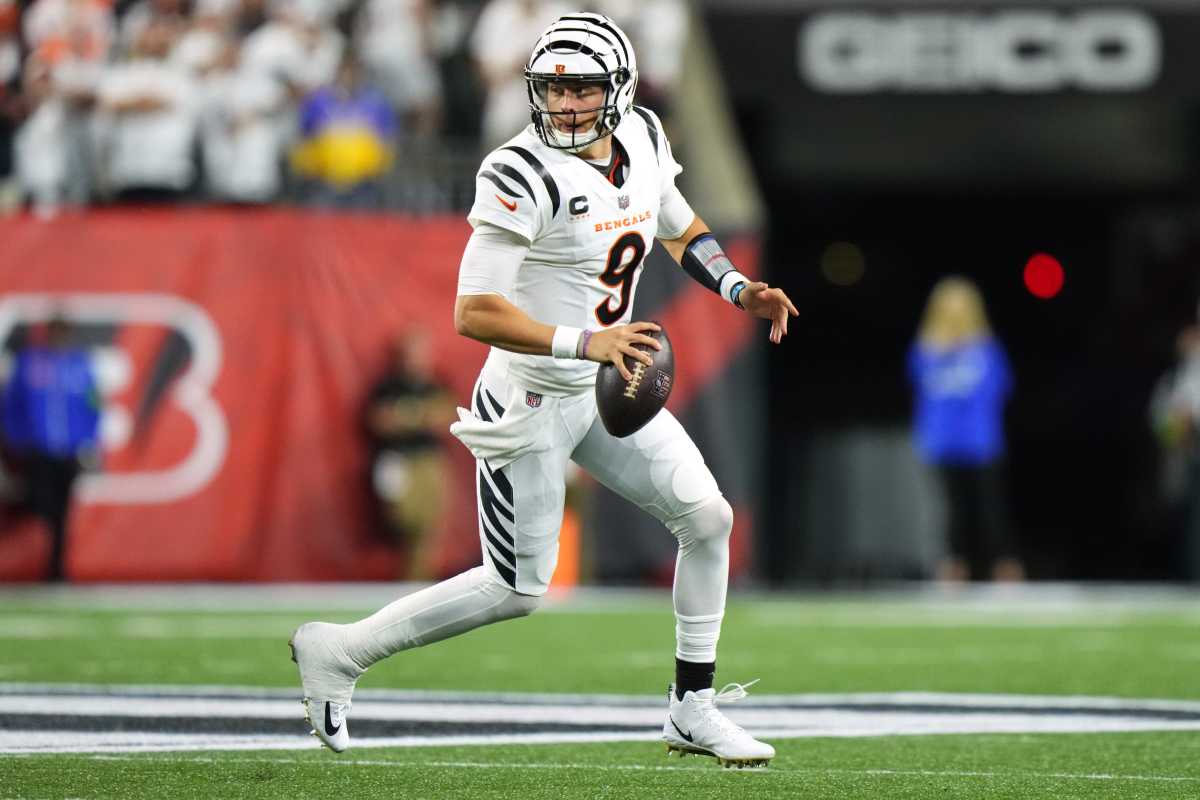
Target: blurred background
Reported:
[(229, 241)]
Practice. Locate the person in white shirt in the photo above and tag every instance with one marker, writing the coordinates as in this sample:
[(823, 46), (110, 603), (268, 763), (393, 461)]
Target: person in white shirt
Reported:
[(299, 50), (564, 215), (145, 12), (499, 47), (148, 108), (239, 138), (53, 149), (396, 46)]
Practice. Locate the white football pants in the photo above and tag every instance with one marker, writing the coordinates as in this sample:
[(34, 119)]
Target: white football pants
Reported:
[(520, 508)]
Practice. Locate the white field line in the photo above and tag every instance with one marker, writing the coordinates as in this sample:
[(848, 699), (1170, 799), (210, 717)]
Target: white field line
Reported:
[(38, 742), (779, 716), (361, 762), (828, 726), (366, 698), (591, 714)]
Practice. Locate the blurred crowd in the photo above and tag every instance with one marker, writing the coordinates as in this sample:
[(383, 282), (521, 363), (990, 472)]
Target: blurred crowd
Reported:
[(359, 103)]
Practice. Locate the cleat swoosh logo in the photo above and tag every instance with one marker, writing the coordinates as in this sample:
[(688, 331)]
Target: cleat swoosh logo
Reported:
[(686, 736), (330, 728), (510, 206)]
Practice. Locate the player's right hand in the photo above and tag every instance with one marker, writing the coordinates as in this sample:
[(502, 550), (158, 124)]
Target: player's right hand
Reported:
[(612, 345)]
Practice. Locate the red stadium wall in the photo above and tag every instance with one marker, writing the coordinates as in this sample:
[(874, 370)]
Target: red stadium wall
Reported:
[(250, 463)]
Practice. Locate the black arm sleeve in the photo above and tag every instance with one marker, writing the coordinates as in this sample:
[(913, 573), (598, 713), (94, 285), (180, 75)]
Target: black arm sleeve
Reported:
[(705, 261)]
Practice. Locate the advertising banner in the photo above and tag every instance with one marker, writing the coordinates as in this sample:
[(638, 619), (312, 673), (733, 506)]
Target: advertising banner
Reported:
[(965, 94), (234, 350)]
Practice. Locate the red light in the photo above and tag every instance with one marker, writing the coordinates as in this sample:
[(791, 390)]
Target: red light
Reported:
[(1043, 276)]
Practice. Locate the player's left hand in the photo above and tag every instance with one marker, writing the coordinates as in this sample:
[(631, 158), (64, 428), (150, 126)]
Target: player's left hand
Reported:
[(762, 301)]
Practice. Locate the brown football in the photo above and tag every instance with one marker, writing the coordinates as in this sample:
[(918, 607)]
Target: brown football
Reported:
[(626, 406)]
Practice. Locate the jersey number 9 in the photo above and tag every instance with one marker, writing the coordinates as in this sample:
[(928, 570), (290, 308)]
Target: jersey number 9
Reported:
[(621, 270)]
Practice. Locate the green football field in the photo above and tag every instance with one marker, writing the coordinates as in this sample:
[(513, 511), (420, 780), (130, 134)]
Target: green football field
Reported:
[(1051, 692)]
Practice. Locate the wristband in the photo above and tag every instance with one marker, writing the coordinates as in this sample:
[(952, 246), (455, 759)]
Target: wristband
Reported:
[(735, 294), (565, 340), (730, 283), (581, 348)]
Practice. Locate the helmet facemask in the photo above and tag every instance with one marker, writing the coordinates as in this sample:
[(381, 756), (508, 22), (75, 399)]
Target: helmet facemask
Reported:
[(547, 122), (582, 49)]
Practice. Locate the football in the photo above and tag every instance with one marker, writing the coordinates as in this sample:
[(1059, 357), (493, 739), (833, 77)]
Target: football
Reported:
[(626, 406)]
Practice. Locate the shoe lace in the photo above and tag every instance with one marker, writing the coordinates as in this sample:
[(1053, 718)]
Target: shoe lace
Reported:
[(730, 693), (738, 692)]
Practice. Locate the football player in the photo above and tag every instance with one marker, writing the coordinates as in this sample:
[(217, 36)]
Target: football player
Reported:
[(564, 215)]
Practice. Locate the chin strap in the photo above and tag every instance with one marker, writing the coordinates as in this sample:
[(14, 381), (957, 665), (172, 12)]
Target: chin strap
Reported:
[(566, 143)]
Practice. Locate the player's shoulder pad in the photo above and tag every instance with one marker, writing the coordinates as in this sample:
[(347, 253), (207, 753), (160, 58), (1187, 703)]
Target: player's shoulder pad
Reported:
[(654, 129), (519, 172)]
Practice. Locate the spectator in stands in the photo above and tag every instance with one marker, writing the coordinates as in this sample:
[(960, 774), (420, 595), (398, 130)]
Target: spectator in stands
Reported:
[(240, 143), (143, 13), (500, 47), (47, 23), (51, 421), (406, 411), (962, 380), (348, 137), (10, 65), (149, 108), (1175, 411), (53, 148), (210, 28), (296, 46), (657, 29), (397, 48)]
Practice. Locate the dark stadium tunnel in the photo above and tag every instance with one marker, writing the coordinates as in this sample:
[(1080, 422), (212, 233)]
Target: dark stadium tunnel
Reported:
[(1084, 362)]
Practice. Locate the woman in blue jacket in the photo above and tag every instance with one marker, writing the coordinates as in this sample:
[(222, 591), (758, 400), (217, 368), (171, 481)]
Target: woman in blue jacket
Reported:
[(962, 380)]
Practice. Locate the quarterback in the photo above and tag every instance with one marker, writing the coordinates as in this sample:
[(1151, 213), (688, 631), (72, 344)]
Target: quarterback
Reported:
[(564, 215)]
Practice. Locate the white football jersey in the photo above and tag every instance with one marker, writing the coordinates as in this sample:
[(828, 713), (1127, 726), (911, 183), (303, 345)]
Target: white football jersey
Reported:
[(588, 238)]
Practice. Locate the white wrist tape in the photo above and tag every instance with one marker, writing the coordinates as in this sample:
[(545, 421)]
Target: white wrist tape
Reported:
[(728, 281), (565, 340)]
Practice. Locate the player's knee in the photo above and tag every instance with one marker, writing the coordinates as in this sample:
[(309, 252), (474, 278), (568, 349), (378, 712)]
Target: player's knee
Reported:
[(716, 519), (520, 605), (506, 602), (710, 524)]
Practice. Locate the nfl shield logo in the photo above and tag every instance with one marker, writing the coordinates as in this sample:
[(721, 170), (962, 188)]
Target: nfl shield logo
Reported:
[(623, 201), (533, 399), (662, 385)]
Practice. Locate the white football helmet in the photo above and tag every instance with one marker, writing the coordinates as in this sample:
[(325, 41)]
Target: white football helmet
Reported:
[(581, 48)]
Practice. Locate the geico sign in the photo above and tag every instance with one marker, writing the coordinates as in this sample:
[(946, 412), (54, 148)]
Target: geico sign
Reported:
[(1013, 51)]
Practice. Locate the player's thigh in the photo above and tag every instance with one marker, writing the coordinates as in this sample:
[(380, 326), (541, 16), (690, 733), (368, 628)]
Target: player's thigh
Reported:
[(659, 468), (520, 513)]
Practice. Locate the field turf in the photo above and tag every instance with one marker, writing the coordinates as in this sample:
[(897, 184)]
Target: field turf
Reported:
[(1058, 642)]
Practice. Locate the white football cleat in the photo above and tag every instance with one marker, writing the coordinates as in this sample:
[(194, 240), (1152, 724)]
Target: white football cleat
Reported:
[(695, 725), (328, 676), (328, 721)]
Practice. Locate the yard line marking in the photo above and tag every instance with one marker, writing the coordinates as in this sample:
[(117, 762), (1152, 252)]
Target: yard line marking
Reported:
[(1026, 702), (162, 719), (1089, 776), (798, 709), (366, 762)]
